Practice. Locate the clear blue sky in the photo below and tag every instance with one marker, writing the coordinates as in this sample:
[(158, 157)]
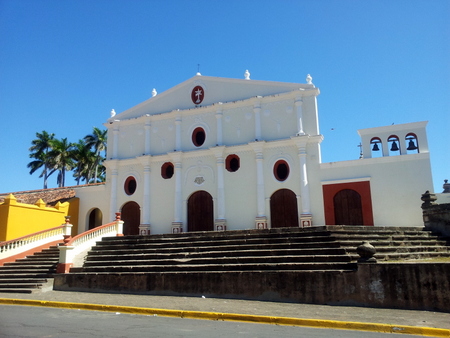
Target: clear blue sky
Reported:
[(65, 64)]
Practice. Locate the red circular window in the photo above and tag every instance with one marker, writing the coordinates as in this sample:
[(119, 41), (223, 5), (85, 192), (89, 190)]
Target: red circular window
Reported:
[(281, 170), (167, 170), (232, 163), (198, 137), (130, 185)]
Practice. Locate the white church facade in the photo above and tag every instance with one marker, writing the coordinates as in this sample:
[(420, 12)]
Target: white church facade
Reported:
[(226, 154)]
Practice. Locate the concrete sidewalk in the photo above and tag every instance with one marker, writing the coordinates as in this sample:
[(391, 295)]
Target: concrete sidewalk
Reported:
[(346, 314)]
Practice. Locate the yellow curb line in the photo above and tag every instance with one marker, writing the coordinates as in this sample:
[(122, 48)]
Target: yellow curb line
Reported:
[(318, 323)]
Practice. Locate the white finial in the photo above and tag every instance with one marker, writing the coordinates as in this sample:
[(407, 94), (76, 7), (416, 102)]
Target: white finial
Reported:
[(154, 92), (113, 113), (247, 75), (198, 70), (309, 79)]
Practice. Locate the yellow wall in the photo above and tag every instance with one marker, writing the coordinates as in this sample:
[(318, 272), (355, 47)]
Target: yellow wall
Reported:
[(19, 219)]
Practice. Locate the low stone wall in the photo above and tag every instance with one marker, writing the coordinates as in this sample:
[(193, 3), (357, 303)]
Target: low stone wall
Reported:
[(418, 286), (436, 217)]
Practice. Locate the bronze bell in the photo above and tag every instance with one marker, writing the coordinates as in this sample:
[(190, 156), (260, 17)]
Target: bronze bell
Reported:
[(394, 146), (411, 145), (375, 147)]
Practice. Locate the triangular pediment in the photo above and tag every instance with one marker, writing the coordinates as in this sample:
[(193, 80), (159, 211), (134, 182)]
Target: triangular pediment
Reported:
[(210, 90)]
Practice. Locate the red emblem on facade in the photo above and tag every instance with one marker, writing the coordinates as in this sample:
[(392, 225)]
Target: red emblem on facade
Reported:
[(197, 95)]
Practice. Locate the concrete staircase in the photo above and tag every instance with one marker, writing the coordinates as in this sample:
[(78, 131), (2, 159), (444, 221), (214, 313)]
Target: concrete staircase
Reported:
[(392, 243), (261, 250), (31, 273), (326, 248)]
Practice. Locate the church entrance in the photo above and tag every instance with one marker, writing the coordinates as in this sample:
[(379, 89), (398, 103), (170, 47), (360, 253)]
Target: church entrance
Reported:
[(283, 209), (131, 217), (200, 212), (348, 208)]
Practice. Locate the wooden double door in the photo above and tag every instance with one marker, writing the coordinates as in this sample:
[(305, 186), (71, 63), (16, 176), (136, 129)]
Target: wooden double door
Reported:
[(348, 208), (200, 212), (283, 209)]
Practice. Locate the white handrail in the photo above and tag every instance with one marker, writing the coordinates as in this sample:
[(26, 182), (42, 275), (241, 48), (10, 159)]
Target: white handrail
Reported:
[(25, 243), (74, 246)]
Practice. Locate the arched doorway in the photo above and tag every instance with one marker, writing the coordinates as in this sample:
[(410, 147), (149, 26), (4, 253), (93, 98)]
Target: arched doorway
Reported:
[(95, 218), (131, 216), (283, 209), (200, 212), (348, 208)]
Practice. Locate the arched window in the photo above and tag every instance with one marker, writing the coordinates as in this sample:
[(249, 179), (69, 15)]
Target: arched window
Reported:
[(167, 170), (130, 185), (376, 145), (232, 163), (394, 145), (198, 136), (411, 144), (281, 170)]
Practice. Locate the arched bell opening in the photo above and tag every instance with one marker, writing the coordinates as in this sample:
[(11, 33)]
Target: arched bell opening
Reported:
[(376, 146), (411, 143), (393, 145)]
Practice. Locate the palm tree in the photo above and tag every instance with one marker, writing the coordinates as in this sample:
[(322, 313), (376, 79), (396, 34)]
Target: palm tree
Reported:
[(97, 142), (62, 153), (85, 160), (40, 149)]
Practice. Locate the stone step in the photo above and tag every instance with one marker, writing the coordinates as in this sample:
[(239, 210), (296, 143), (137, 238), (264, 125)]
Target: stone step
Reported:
[(210, 236), (15, 290), (225, 250), (28, 270), (222, 261), (223, 267), (386, 243), (208, 243), (22, 280), (406, 249), (26, 261), (27, 265), (19, 285), (217, 254)]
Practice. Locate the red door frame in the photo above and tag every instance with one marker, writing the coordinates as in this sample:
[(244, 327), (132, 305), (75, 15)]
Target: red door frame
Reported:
[(363, 188)]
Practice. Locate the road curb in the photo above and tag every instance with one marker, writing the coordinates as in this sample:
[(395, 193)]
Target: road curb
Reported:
[(317, 323)]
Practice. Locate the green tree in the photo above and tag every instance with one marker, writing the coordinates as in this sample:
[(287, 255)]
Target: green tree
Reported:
[(40, 148), (62, 157), (85, 159), (97, 142)]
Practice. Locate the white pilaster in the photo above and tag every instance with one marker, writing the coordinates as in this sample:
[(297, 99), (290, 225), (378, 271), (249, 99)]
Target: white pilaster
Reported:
[(261, 219), (219, 119), (220, 222), (113, 200), (178, 133), (115, 141), (299, 106), (147, 137), (257, 112), (144, 228), (305, 216), (177, 224)]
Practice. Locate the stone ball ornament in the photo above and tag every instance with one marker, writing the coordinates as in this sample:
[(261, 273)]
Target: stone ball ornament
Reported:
[(366, 252)]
